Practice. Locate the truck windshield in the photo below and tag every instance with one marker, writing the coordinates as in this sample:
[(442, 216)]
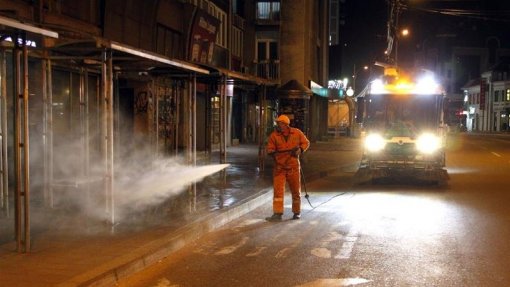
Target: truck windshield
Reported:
[(406, 115)]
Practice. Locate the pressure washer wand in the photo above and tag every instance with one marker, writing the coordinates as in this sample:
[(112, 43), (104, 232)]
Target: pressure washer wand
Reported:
[(304, 185)]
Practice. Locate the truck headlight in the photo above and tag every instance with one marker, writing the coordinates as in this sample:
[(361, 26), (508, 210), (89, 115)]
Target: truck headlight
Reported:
[(428, 143), (374, 142)]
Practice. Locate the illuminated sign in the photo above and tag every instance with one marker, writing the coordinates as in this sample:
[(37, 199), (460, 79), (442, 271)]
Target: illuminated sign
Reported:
[(28, 43), (482, 94), (318, 89)]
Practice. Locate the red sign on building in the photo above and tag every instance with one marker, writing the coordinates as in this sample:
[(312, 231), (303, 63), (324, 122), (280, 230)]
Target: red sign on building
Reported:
[(203, 37), (482, 93)]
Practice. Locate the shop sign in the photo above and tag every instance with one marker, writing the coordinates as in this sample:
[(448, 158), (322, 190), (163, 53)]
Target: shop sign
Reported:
[(203, 37)]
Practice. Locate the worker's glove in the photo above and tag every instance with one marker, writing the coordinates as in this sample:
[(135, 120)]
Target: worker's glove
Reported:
[(296, 152)]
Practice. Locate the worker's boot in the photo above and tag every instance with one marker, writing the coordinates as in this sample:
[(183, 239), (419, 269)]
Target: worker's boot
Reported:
[(296, 216), (275, 217)]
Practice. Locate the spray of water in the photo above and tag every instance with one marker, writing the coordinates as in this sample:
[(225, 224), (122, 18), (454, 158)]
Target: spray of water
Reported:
[(150, 188), (140, 188), (78, 193), (139, 185)]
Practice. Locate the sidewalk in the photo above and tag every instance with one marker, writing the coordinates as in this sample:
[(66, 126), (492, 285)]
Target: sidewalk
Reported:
[(85, 252)]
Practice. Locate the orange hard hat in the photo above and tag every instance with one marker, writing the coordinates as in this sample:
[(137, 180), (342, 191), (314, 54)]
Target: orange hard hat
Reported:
[(284, 119)]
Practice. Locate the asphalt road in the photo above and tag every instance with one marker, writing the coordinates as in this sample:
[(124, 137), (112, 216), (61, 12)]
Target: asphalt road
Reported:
[(390, 234)]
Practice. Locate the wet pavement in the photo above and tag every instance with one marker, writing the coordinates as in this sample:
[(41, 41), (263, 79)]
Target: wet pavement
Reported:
[(71, 250)]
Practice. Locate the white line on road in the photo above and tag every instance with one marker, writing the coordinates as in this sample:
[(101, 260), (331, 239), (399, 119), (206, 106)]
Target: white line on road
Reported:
[(346, 250), (335, 282), (257, 251), (332, 236), (496, 154), (232, 248), (282, 253), (321, 252)]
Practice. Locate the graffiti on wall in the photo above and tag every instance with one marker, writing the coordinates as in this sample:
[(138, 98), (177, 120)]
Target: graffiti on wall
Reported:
[(141, 102)]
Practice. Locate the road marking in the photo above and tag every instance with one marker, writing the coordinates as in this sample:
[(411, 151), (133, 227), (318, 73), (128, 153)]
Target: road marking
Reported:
[(204, 249), (335, 282), (163, 282), (346, 250), (257, 251), (282, 253), (230, 249), (332, 236), (321, 252), (496, 154)]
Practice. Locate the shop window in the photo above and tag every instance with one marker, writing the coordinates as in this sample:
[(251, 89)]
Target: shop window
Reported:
[(268, 10), (169, 42)]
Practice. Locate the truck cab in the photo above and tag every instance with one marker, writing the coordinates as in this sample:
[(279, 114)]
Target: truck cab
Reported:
[(403, 132)]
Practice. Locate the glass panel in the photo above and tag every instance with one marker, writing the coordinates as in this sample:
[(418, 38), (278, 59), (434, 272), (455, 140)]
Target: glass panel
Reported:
[(263, 10), (261, 51), (273, 50)]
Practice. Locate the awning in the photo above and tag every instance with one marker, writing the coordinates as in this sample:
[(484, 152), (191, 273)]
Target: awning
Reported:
[(246, 78), (151, 56), (27, 27), (319, 90), (126, 58), (294, 89), (238, 77)]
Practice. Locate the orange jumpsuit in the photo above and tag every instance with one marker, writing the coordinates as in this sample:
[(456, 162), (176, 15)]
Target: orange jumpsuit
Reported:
[(287, 168)]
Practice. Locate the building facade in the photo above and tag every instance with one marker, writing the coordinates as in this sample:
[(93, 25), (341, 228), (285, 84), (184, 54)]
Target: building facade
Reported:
[(487, 100), (105, 88)]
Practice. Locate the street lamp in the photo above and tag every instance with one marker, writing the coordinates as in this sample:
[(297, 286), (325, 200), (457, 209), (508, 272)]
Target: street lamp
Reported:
[(355, 75), (403, 33), (350, 92)]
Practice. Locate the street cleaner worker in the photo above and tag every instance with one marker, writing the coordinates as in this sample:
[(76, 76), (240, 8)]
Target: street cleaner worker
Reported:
[(285, 145)]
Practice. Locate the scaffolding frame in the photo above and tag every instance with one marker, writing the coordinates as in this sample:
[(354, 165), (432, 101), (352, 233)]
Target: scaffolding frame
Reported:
[(106, 58), (48, 55)]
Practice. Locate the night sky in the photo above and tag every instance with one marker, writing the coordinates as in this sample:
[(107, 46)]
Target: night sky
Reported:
[(462, 22)]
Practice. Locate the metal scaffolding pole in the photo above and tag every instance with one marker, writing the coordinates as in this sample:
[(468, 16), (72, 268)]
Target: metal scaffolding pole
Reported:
[(194, 119), (81, 116), (16, 62), (192, 128), (104, 127), (192, 134), (21, 146), (4, 186), (26, 151), (189, 123), (48, 132), (155, 120), (223, 120), (84, 128), (107, 130), (176, 92), (262, 128), (110, 149)]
